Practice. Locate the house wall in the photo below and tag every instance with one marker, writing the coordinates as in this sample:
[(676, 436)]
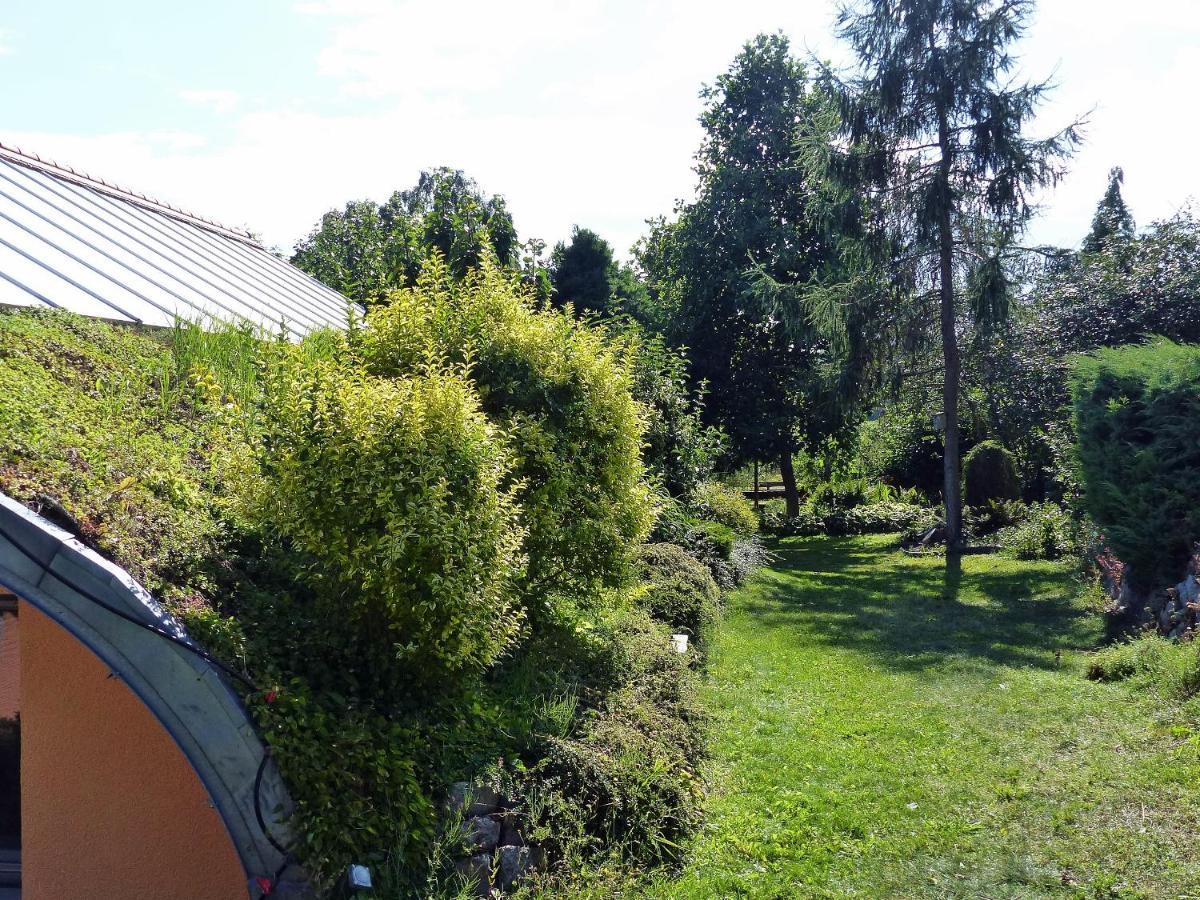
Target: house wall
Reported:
[(110, 806), (10, 666)]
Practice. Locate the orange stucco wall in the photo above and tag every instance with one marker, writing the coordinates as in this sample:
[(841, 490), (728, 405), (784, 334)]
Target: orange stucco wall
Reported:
[(110, 806)]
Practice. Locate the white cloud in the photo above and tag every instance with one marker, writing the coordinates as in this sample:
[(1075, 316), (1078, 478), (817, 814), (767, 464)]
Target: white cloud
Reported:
[(220, 102), (5, 42), (585, 113)]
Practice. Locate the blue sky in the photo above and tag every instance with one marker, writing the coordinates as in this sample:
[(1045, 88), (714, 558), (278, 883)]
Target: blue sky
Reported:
[(267, 113)]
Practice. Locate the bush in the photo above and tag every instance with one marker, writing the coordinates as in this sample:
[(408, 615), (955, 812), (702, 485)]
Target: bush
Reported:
[(748, 556), (399, 490), (845, 494), (902, 448), (989, 473), (874, 518), (680, 449), (1137, 419), (994, 515), (628, 779), (726, 506), (1044, 532), (680, 591), (563, 394), (878, 518), (1152, 661)]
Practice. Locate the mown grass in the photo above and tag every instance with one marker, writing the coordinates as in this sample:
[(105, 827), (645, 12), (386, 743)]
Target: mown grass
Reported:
[(890, 727)]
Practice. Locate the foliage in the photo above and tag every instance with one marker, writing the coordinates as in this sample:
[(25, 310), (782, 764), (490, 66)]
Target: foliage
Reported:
[(1113, 218), (359, 792), (586, 275), (869, 518), (726, 506), (1136, 287), (629, 778), (367, 250), (584, 272), (141, 449), (846, 493), (1150, 661), (750, 218), (989, 473), (990, 517), (901, 447), (933, 129), (1045, 531), (400, 492), (171, 450), (680, 591), (680, 451), (1137, 418), (562, 393)]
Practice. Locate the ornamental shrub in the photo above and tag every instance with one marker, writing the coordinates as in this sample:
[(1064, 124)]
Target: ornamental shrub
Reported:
[(680, 591), (1137, 420), (989, 473), (560, 390), (399, 491), (1044, 531), (725, 506)]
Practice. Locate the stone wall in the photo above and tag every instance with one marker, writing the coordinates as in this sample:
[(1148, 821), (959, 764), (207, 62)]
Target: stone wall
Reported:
[(1173, 612)]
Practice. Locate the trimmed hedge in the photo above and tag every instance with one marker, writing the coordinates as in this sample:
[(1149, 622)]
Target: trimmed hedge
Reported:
[(989, 473), (1137, 419)]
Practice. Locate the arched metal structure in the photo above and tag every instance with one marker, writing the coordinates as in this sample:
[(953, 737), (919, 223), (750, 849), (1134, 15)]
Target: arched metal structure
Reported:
[(48, 567)]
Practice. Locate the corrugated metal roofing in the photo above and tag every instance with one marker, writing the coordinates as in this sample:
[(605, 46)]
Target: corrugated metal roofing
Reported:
[(71, 241)]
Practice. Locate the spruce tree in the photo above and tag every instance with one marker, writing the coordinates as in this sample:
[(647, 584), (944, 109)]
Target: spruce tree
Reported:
[(1112, 218), (934, 136)]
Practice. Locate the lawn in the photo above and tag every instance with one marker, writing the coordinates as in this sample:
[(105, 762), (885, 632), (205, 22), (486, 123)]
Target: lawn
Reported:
[(886, 727)]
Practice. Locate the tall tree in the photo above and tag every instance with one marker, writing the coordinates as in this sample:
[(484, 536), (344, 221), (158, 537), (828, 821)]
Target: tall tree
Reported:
[(367, 250), (751, 214), (584, 271), (935, 132), (586, 274), (1112, 218)]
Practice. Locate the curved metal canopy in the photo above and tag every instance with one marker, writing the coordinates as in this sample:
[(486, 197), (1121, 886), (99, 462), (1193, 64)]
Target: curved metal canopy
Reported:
[(48, 568)]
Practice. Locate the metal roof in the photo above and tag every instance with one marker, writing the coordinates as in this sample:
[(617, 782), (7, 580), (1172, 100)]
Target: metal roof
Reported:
[(71, 241)]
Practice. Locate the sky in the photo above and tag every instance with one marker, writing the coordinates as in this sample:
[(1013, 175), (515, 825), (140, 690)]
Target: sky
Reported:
[(266, 113)]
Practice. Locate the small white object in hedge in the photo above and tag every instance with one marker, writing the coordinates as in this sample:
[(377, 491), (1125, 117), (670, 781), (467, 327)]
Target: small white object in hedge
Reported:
[(680, 641)]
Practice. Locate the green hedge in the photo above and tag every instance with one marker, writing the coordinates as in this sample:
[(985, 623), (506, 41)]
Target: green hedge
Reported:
[(1137, 419)]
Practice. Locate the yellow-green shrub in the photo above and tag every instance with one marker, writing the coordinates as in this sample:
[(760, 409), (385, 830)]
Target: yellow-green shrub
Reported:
[(718, 503), (562, 392), (399, 490)]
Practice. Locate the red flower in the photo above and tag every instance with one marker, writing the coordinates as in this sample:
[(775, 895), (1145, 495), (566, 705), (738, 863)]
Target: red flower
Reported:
[(272, 695)]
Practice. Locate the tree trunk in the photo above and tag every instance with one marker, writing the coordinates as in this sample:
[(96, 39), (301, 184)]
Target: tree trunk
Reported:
[(791, 496), (951, 464)]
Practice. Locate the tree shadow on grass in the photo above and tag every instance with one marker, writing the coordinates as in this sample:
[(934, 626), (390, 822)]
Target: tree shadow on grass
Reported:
[(917, 614)]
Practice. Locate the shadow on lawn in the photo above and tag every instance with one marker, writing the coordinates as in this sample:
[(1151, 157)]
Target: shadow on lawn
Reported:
[(914, 614)]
